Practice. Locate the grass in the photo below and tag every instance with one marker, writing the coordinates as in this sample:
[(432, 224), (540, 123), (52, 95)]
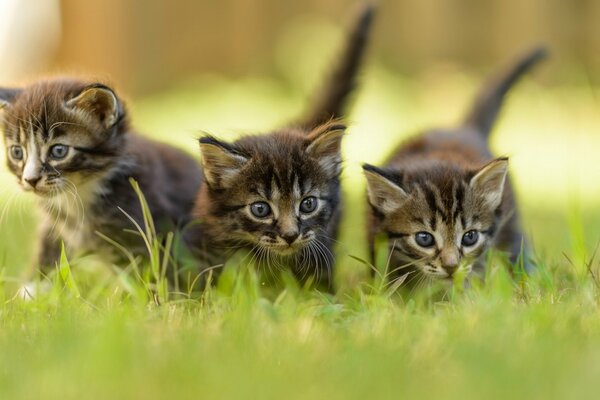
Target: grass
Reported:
[(537, 339), (108, 332)]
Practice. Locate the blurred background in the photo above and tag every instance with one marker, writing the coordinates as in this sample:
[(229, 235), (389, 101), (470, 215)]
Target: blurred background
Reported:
[(231, 67)]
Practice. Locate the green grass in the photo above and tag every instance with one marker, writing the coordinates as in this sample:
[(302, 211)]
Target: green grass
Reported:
[(107, 332), (535, 339)]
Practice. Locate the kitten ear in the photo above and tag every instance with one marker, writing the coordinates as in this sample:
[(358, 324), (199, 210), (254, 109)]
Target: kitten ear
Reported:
[(326, 146), (220, 161), (489, 181), (7, 96), (383, 194), (98, 101)]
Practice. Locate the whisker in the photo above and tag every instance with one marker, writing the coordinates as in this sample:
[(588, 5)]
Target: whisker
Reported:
[(7, 205)]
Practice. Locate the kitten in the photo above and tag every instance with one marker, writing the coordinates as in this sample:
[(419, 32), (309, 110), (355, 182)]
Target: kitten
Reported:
[(69, 142), (442, 199), (278, 195)]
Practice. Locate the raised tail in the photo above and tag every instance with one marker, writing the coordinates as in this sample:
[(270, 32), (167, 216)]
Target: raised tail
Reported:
[(332, 100), (489, 100)]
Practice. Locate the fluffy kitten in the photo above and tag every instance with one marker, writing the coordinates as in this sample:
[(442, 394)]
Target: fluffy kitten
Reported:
[(69, 142), (442, 199), (278, 194)]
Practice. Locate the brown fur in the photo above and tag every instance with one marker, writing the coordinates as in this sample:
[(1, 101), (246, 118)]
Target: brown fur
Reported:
[(282, 169), (83, 193), (446, 183)]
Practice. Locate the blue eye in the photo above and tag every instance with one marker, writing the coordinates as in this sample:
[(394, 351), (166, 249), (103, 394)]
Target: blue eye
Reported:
[(424, 239), (260, 209), (59, 151), (308, 205), (16, 152), (470, 238)]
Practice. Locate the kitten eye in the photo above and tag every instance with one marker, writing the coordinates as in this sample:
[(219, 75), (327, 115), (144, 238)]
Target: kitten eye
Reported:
[(59, 151), (470, 238), (308, 205), (16, 152), (260, 209), (424, 239)]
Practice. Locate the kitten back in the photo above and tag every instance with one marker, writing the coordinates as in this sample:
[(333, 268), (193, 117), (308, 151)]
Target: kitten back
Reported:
[(488, 102), (332, 101)]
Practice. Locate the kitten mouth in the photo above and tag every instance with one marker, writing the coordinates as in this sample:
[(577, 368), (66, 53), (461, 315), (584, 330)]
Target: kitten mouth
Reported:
[(287, 250), (437, 276), (44, 192), (37, 191), (47, 190), (447, 278)]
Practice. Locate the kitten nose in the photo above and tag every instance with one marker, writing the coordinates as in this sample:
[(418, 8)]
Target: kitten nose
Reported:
[(290, 237), (450, 261), (450, 269), (33, 181)]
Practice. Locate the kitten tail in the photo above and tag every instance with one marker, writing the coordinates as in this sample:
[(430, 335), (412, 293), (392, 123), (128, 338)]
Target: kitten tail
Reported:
[(489, 100), (333, 100)]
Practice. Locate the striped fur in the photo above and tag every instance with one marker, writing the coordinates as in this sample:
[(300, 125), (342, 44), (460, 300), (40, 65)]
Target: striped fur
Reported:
[(81, 193), (282, 169), (445, 183)]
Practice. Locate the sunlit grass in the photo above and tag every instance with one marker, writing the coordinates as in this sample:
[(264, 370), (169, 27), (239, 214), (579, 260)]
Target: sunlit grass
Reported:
[(537, 338)]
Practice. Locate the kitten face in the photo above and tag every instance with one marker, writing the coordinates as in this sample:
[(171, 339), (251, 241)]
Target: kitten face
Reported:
[(274, 192), (60, 134), (439, 219)]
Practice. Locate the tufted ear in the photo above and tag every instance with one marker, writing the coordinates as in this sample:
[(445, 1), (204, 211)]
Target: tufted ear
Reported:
[(98, 101), (220, 161), (488, 182), (383, 193), (8, 96), (325, 145)]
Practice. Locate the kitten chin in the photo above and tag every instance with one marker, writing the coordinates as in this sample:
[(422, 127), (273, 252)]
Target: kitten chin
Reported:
[(69, 142), (443, 200), (278, 195)]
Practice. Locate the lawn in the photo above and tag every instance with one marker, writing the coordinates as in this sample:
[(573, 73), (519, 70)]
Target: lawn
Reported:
[(99, 332)]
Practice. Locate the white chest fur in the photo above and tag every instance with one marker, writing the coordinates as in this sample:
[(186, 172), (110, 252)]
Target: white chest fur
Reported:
[(70, 218)]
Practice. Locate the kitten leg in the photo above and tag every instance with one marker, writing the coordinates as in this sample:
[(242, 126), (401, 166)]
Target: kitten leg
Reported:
[(48, 251), (48, 256), (512, 241)]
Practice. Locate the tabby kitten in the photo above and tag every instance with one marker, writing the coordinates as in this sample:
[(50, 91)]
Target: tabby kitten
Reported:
[(442, 199), (278, 194), (69, 143)]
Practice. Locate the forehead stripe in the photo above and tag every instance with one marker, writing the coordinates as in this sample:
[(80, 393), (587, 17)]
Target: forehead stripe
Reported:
[(430, 198), (459, 198)]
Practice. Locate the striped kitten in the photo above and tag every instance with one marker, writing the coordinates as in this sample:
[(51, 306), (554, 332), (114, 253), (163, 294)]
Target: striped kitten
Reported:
[(442, 199), (69, 143), (278, 195)]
